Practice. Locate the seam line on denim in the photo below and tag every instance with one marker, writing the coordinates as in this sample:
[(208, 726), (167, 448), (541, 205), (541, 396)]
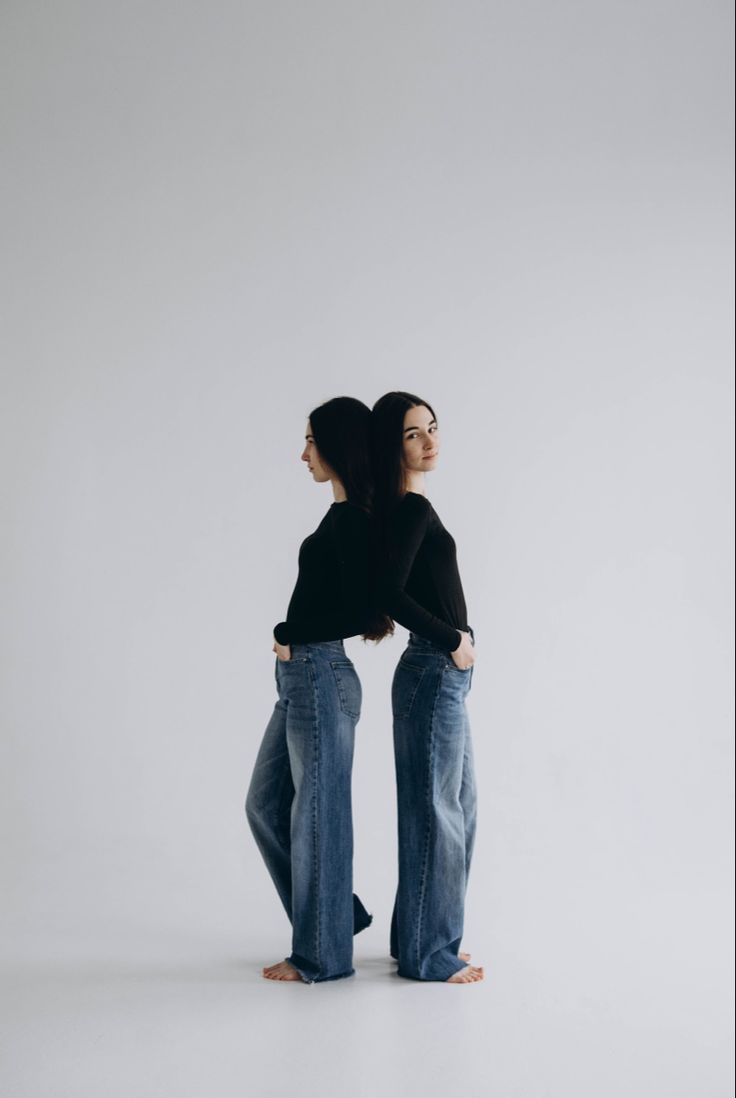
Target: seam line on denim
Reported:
[(428, 825), (315, 817)]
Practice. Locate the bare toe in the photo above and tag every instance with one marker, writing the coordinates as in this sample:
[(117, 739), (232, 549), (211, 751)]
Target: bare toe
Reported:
[(468, 975), (281, 971)]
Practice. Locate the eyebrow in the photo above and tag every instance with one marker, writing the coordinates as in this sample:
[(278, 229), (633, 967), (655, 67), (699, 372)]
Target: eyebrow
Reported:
[(419, 428)]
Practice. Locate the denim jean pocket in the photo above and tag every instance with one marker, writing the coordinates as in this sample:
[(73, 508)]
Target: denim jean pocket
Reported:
[(294, 662), (458, 677), (450, 665), (404, 688), (349, 690), (287, 671)]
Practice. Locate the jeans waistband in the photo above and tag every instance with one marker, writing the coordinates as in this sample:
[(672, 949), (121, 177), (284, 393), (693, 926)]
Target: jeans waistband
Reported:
[(328, 647), (421, 642)]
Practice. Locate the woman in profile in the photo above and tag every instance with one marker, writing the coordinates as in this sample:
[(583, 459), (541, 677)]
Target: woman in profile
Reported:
[(299, 801), (421, 589)]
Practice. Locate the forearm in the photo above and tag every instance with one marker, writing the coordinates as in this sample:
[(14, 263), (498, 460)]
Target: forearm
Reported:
[(409, 613)]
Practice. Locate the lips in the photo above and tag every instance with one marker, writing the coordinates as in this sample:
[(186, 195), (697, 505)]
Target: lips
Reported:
[(428, 456)]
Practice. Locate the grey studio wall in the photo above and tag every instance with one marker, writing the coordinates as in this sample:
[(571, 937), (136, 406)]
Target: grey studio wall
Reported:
[(215, 217)]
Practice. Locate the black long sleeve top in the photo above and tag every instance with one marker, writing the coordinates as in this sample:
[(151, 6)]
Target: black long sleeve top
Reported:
[(334, 596), (420, 584)]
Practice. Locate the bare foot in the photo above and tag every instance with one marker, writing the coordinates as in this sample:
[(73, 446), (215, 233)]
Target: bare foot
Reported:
[(468, 975), (281, 971)]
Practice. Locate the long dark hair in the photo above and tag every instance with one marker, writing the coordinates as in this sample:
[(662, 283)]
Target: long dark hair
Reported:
[(342, 429), (342, 432), (387, 449)]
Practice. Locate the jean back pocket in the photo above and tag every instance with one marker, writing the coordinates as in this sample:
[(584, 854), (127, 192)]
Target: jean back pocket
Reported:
[(349, 690), (405, 686)]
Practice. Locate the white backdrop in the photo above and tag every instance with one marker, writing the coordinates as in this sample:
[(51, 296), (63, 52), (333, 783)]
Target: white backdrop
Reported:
[(215, 217)]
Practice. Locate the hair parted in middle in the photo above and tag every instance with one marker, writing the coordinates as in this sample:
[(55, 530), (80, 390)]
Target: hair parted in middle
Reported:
[(387, 440)]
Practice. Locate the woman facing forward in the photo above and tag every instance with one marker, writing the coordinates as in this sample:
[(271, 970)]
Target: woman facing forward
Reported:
[(299, 800), (421, 589)]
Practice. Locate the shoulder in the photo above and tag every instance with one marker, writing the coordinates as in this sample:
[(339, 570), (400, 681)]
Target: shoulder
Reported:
[(412, 501), (413, 509), (410, 519)]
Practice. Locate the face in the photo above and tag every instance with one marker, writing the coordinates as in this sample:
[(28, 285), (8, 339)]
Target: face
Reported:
[(421, 440), (319, 470)]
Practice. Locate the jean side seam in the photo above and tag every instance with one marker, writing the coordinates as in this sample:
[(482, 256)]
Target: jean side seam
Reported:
[(316, 862), (428, 825)]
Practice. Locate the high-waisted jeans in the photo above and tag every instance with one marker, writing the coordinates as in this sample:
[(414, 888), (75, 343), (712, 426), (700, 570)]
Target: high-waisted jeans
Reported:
[(436, 810), (299, 806)]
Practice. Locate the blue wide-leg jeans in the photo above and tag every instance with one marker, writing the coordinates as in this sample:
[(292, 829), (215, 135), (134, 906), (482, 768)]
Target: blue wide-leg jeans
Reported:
[(436, 799), (299, 806)]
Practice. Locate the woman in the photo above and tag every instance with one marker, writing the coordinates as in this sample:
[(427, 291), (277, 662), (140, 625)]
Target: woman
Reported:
[(421, 589), (299, 800)]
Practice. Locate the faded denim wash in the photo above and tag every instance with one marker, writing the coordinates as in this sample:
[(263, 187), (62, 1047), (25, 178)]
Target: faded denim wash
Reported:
[(299, 806), (436, 797)]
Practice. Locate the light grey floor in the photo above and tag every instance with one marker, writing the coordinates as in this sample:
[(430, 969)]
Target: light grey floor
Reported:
[(186, 1015)]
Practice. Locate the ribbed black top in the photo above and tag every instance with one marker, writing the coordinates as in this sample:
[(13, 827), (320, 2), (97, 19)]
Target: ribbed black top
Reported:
[(334, 596), (421, 587)]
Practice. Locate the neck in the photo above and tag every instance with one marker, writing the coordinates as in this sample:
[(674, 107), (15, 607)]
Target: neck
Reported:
[(338, 491), (414, 481)]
